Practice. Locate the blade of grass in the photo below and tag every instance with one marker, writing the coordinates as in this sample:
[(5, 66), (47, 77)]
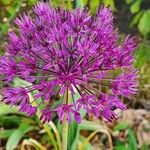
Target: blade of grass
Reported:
[(6, 109), (86, 141), (17, 135), (37, 144), (52, 125), (92, 126), (51, 136), (32, 143), (79, 3), (69, 4), (81, 140), (4, 134)]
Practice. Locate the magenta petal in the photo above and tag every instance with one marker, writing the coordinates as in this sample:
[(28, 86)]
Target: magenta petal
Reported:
[(77, 117)]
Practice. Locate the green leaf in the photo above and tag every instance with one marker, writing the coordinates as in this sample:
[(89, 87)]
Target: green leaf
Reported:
[(110, 3), (144, 147), (132, 140), (56, 132), (87, 140), (144, 23), (92, 126), (4, 134), (120, 145), (88, 146), (85, 2), (73, 134), (31, 2), (94, 4), (20, 82), (79, 3), (69, 5), (33, 143), (17, 135), (135, 7), (5, 2), (4, 28), (10, 121), (51, 136), (87, 125), (142, 54), (6, 109), (121, 126), (10, 14), (136, 19), (129, 1)]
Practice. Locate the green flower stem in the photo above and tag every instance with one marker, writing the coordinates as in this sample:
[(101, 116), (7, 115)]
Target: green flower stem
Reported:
[(64, 134), (65, 124)]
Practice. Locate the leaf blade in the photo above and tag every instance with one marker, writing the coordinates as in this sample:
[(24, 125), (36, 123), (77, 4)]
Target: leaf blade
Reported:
[(17, 135)]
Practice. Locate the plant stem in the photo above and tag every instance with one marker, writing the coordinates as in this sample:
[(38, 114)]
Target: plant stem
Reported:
[(64, 134), (65, 124)]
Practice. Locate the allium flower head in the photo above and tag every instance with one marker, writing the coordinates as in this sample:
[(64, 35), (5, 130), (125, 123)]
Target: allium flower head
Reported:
[(64, 52)]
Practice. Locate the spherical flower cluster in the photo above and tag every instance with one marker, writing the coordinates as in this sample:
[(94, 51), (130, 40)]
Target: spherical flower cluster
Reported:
[(64, 53)]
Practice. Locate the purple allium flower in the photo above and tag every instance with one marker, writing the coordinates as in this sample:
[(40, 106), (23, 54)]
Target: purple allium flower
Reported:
[(46, 115), (15, 96), (67, 52), (29, 109), (67, 110), (8, 68), (125, 84), (107, 104), (89, 104)]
